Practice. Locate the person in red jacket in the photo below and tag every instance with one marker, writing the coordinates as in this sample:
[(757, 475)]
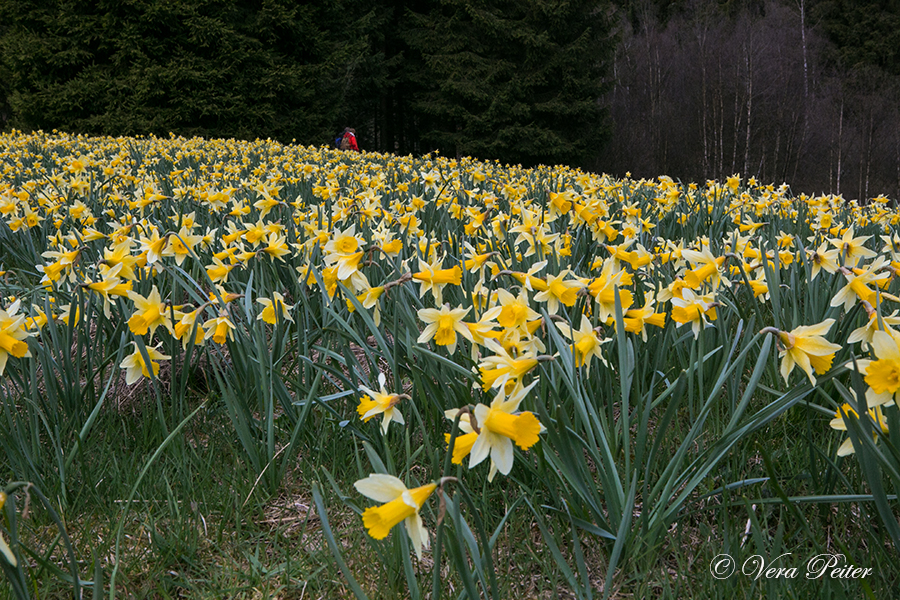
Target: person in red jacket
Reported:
[(348, 142)]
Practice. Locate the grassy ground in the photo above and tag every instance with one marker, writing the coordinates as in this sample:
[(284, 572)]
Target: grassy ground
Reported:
[(202, 526)]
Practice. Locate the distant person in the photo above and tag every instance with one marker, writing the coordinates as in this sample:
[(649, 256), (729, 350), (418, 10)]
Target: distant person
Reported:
[(348, 140)]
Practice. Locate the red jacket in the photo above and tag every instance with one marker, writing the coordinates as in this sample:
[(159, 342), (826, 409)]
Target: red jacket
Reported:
[(352, 140)]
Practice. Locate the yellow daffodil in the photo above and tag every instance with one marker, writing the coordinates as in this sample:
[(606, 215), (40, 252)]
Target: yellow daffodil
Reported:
[(276, 248), (149, 313), (706, 267), (693, 309), (399, 504), (857, 287), (637, 319), (184, 325), (604, 288), (883, 374), (807, 347), (274, 306), (483, 328), (443, 324), (347, 264), (852, 249), (343, 242), (559, 291), (369, 299), (499, 426), (12, 335), (218, 271), (515, 310), (154, 245), (502, 369), (864, 334), (380, 403), (121, 253), (37, 321), (219, 328), (839, 423), (586, 343), (110, 286), (135, 367), (433, 278)]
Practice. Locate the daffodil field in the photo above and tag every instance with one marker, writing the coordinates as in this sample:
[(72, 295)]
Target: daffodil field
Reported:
[(477, 380)]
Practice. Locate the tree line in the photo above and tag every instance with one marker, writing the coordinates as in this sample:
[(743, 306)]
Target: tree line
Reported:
[(802, 91), (795, 91), (518, 80)]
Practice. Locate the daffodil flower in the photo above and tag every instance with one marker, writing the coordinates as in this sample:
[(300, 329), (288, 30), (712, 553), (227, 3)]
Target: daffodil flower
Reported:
[(637, 319), (347, 264), (218, 271), (693, 309), (806, 346), (822, 258), (380, 403), (604, 287), (153, 245), (343, 242), (559, 291), (135, 367), (839, 423), (515, 310), (857, 287), (586, 343), (433, 278), (399, 504), (443, 325), (12, 335), (706, 266), (498, 427), (219, 328), (149, 313), (276, 303), (483, 329), (502, 369), (276, 247), (866, 333), (852, 248), (184, 326), (883, 374), (181, 245), (110, 285), (529, 279), (369, 299)]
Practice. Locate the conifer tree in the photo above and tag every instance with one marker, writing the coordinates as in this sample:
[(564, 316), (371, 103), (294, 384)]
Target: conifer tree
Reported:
[(211, 67), (516, 80), (866, 33)]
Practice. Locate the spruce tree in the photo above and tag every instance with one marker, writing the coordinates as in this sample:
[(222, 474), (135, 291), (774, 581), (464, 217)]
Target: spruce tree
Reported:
[(866, 33), (515, 80), (210, 67)]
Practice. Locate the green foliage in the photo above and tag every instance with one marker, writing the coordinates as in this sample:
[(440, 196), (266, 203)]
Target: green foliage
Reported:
[(865, 33), (518, 81), (212, 68)]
